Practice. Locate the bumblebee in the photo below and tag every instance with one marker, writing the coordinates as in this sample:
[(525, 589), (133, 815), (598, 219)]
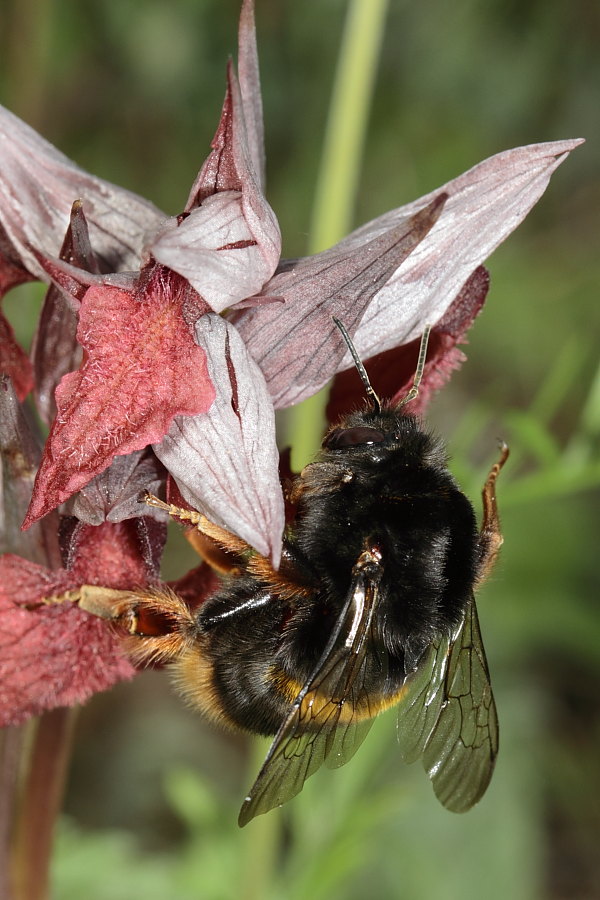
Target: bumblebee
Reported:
[(372, 606)]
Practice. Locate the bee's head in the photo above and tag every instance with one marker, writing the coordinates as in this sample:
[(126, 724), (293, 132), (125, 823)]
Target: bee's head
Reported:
[(372, 397), (377, 436)]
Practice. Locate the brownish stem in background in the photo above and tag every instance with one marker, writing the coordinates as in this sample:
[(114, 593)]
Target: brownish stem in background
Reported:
[(11, 745), (43, 774)]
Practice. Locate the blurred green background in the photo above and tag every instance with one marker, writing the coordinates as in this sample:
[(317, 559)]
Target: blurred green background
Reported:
[(132, 91)]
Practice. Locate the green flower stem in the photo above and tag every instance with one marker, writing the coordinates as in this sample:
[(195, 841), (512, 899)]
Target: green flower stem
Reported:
[(339, 174), (341, 161), (42, 788), (261, 839)]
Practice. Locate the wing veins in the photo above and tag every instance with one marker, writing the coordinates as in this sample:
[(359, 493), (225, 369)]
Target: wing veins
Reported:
[(313, 733), (461, 750)]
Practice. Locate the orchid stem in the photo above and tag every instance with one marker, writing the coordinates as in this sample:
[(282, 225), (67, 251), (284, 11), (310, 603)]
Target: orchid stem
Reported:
[(42, 790), (11, 745), (339, 173)]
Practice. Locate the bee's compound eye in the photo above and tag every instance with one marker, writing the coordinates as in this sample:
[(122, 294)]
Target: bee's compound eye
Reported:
[(349, 437)]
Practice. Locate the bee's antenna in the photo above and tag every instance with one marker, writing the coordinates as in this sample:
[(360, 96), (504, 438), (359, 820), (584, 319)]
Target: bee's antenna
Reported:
[(373, 398), (420, 367)]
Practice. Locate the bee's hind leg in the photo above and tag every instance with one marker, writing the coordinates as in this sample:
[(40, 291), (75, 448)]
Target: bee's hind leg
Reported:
[(155, 624)]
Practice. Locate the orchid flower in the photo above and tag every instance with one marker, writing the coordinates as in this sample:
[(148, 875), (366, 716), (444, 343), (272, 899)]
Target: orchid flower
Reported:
[(165, 344)]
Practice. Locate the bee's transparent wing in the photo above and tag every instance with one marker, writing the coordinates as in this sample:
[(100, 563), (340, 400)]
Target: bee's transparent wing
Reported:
[(323, 725), (448, 716)]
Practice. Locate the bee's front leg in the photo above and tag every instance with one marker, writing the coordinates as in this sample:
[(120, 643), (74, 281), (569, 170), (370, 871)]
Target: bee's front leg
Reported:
[(490, 536)]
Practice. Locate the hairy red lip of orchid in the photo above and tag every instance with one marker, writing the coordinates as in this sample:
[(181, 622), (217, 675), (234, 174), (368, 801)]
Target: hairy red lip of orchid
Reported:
[(165, 344), (57, 655), (121, 402)]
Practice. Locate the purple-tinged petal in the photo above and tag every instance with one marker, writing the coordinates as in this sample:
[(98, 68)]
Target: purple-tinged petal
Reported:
[(13, 359), (38, 186), (229, 167), (20, 453), (14, 362), (115, 494), (74, 282), (484, 206), (216, 251), (249, 77), (225, 462), (228, 245), (392, 372), (296, 343), (12, 272), (55, 350)]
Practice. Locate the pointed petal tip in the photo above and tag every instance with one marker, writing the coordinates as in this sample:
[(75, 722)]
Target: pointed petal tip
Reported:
[(568, 144), (552, 148), (557, 150), (428, 216)]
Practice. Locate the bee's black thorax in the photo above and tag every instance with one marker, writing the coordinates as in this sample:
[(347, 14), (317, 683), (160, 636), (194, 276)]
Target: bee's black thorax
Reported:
[(397, 492)]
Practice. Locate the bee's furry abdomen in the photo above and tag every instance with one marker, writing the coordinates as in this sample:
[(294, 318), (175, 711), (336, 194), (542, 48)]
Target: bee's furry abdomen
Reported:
[(238, 634)]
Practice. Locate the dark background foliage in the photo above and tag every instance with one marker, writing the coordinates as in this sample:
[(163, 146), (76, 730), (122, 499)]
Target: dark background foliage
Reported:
[(132, 92)]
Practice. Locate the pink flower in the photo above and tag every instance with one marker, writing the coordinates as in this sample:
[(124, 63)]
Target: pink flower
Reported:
[(169, 342)]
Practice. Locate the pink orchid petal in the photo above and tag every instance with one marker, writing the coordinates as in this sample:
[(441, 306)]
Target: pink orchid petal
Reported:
[(225, 461), (38, 186), (484, 206), (249, 77), (13, 359), (51, 656), (229, 244), (296, 342), (142, 367), (58, 655), (444, 355), (55, 350), (296, 345)]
